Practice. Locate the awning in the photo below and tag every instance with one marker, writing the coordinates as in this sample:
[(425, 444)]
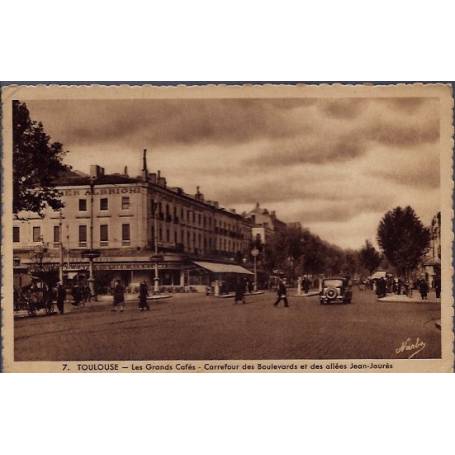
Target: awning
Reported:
[(217, 267), (377, 275), (71, 275)]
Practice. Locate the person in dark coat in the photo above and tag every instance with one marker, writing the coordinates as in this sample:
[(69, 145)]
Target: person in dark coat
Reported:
[(437, 286), (119, 297), (77, 295), (61, 296), (282, 293), (239, 292), (143, 293), (423, 288), (306, 285)]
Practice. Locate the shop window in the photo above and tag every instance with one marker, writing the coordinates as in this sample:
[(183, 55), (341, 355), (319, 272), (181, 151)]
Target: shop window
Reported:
[(16, 234)]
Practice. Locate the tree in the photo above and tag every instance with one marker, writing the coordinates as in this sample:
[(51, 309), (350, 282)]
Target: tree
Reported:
[(37, 164), (403, 239), (370, 258)]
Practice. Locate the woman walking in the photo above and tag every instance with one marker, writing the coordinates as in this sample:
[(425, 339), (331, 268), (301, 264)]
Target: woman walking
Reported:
[(119, 297)]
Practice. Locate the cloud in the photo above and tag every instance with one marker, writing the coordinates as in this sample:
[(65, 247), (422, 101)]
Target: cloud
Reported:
[(331, 163)]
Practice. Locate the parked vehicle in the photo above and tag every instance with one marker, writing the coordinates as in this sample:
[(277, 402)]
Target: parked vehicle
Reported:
[(336, 290), (33, 298)]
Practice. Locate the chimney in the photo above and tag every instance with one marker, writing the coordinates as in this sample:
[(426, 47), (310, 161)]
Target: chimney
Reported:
[(257, 205), (153, 178), (96, 171), (125, 171), (145, 172), (199, 196)]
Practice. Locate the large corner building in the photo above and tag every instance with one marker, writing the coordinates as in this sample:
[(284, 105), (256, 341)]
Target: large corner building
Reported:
[(123, 217)]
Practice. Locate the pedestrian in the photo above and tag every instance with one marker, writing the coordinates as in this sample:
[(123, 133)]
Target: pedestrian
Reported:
[(87, 293), (239, 291), (306, 285), (76, 292), (437, 286), (143, 293), (399, 286), (61, 296), (119, 297), (282, 293), (423, 288)]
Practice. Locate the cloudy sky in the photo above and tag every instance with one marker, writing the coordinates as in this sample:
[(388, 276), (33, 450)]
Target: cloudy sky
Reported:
[(334, 164)]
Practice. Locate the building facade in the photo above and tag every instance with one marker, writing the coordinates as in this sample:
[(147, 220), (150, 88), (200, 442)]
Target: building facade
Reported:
[(128, 220), (432, 262), (265, 224)]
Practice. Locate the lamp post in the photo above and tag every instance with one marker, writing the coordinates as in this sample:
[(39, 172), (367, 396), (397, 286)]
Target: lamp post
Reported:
[(255, 253), (60, 232), (91, 277), (156, 279)]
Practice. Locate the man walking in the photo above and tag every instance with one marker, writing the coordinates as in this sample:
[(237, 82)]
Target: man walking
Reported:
[(423, 288), (282, 293), (239, 291), (61, 296), (119, 297), (143, 293)]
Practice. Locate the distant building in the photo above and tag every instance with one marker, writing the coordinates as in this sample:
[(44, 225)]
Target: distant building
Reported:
[(265, 224), (119, 221), (432, 262)]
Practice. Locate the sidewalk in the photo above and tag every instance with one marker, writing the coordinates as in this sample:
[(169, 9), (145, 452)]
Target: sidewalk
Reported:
[(102, 300), (414, 299)]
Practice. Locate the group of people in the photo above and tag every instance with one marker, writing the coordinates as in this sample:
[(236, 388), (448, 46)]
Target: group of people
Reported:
[(399, 287), (118, 293)]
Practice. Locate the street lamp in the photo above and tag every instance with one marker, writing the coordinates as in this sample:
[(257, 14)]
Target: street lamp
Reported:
[(91, 277), (255, 253), (156, 257), (40, 251)]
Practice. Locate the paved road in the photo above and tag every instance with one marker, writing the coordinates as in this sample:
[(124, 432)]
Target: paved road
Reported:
[(196, 327)]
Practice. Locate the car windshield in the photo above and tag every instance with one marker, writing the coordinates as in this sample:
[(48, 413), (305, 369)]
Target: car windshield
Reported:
[(333, 283)]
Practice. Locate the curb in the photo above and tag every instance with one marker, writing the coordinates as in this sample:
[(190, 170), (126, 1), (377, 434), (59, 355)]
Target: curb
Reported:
[(229, 296)]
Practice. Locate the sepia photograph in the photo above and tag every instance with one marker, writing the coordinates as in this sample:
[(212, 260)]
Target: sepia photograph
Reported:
[(228, 228)]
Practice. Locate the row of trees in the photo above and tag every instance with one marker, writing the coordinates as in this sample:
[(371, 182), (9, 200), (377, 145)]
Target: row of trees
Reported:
[(402, 237)]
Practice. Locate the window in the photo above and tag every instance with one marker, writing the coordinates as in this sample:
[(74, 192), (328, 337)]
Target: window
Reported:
[(104, 203), (82, 235), (56, 234), (82, 205), (125, 202), (176, 240), (104, 234), (36, 233), (126, 234), (182, 213), (16, 234), (168, 238), (199, 219)]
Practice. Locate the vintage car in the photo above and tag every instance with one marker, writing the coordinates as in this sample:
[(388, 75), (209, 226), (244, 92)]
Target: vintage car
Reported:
[(335, 290)]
